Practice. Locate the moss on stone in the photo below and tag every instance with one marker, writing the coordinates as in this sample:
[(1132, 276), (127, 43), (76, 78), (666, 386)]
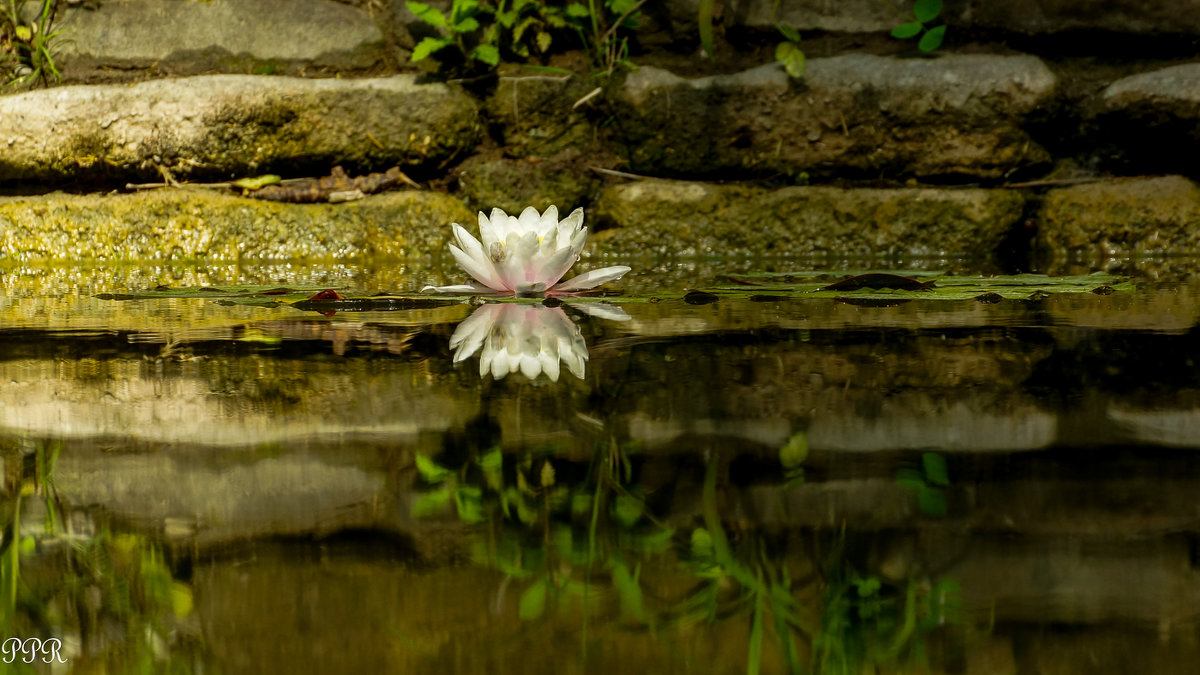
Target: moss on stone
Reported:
[(207, 225)]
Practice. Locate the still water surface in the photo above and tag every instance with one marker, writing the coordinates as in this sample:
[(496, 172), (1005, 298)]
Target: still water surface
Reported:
[(783, 484)]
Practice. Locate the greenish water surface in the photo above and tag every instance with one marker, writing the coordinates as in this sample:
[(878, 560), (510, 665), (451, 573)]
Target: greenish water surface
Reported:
[(763, 483)]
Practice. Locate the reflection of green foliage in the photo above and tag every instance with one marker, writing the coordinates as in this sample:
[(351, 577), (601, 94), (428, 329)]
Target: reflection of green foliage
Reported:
[(58, 583), (792, 456), (867, 621), (928, 483), (762, 587)]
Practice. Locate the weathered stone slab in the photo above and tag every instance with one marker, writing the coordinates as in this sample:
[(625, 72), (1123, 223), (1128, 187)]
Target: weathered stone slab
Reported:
[(1020, 16), (213, 226), (685, 218), (1154, 118), (1126, 216), (231, 125), (857, 114), (185, 37)]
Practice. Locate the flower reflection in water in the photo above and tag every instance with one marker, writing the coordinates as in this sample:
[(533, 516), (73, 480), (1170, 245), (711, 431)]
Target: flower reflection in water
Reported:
[(530, 339)]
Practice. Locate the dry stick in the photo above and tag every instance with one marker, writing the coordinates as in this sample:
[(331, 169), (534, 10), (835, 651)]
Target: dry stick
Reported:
[(619, 174), (1051, 182), (207, 186)]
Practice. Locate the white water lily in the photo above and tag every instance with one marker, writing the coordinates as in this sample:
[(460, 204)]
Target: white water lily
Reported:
[(526, 255), (530, 339)]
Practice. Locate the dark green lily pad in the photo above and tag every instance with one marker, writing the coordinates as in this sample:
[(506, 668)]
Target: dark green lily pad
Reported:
[(866, 288)]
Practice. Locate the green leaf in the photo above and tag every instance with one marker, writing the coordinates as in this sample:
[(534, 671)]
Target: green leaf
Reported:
[(181, 599), (907, 30), (581, 503), (431, 471), (702, 544), (931, 502), (427, 14), (578, 11), (467, 25), (867, 587), (431, 502), (469, 501), (935, 469), (627, 509), (533, 601), (910, 478), (488, 54), (428, 46), (795, 451), (543, 41), (927, 10), (791, 57), (788, 32), (492, 460), (656, 542), (629, 592), (932, 39)]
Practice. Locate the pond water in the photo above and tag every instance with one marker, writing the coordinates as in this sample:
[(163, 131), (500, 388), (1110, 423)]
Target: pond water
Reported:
[(709, 484)]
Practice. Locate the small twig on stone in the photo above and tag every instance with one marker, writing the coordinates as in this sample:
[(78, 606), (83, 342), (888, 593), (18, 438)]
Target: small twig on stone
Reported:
[(1051, 182), (587, 97), (619, 174)]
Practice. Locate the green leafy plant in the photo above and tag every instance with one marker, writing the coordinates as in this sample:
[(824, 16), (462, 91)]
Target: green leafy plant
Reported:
[(928, 483), (788, 53), (925, 12), (605, 30), (27, 49), (792, 456), (461, 29)]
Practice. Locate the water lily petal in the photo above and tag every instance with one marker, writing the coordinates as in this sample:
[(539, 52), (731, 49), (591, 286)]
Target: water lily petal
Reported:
[(530, 287), (459, 289), (485, 275), (591, 279), (557, 265), (529, 219)]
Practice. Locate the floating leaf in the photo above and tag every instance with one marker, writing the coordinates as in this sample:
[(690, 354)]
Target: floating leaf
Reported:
[(932, 39), (877, 281)]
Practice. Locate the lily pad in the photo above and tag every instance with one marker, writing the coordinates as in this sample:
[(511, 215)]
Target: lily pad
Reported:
[(865, 288)]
